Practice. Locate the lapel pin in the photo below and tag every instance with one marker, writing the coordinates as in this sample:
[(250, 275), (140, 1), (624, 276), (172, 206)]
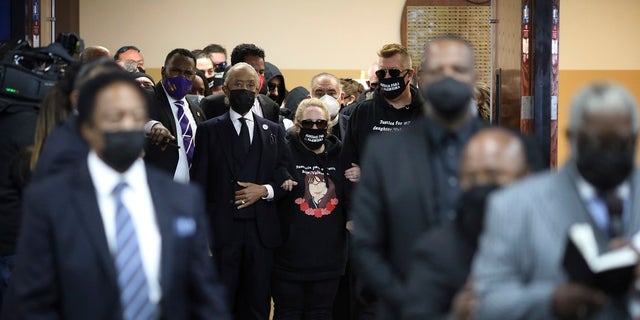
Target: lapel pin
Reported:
[(265, 127)]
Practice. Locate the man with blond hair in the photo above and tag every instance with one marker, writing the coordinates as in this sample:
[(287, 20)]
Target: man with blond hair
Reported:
[(392, 108)]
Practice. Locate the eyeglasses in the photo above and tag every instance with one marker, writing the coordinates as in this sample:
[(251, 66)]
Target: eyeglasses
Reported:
[(381, 73), (272, 86), (221, 65), (308, 124)]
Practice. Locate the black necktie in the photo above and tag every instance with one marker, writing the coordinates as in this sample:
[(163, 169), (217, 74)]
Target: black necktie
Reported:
[(245, 140), (614, 209)]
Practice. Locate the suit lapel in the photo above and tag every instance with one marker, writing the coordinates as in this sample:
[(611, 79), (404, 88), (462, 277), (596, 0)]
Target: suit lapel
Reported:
[(163, 207), (86, 203), (566, 207), (227, 133), (634, 220), (195, 112), (165, 108), (261, 131), (417, 147)]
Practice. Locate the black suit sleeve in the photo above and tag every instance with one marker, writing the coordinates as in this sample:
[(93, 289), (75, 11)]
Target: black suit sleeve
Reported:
[(208, 295), (283, 165), (369, 209), (429, 293), (36, 287), (199, 171)]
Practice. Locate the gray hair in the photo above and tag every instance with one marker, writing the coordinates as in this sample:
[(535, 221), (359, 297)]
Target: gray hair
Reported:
[(603, 98), (240, 65)]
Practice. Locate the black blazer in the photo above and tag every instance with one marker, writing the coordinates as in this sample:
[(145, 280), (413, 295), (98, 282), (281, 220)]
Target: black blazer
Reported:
[(64, 148), (64, 269), (391, 206), (213, 168), (440, 266), (160, 110), (390, 209), (214, 106)]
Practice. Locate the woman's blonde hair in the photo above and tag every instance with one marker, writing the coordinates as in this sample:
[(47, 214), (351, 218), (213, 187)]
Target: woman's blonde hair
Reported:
[(312, 102)]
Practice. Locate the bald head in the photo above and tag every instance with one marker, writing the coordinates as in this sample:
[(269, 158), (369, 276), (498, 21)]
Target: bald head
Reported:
[(492, 156), (94, 53)]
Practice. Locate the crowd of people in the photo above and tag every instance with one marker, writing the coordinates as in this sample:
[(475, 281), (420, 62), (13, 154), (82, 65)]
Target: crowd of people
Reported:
[(217, 193)]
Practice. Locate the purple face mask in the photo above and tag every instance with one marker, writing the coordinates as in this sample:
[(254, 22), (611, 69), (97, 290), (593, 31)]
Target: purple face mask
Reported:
[(177, 87)]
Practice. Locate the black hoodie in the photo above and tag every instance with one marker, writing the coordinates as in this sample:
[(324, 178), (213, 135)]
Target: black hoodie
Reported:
[(270, 72), (314, 226)]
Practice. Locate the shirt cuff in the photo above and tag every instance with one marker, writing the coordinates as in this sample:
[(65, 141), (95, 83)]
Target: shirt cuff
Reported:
[(149, 125), (269, 196)]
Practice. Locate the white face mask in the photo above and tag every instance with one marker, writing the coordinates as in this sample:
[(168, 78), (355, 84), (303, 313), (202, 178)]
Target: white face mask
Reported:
[(333, 106)]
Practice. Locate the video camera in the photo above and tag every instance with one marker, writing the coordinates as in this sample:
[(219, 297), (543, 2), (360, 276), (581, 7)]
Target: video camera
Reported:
[(27, 74)]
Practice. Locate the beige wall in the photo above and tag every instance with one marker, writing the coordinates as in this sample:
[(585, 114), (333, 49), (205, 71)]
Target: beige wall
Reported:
[(598, 40), (295, 34), (303, 37)]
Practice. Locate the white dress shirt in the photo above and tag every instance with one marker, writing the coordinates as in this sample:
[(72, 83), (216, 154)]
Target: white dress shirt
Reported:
[(182, 169), (137, 199), (250, 125), (256, 108)]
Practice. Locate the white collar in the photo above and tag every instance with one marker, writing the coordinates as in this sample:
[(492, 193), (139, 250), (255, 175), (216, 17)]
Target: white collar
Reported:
[(105, 178), (235, 116)]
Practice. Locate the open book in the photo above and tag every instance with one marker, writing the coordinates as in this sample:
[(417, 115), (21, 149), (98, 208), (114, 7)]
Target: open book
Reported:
[(611, 271)]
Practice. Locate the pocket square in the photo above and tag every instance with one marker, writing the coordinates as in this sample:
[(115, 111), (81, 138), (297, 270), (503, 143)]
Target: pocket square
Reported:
[(185, 226)]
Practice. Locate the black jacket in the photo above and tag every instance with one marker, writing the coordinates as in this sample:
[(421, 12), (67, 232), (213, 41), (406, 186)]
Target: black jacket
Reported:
[(160, 110), (440, 267)]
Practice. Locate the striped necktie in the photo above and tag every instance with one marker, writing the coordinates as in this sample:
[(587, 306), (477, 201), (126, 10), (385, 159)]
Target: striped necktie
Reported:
[(132, 280), (187, 132)]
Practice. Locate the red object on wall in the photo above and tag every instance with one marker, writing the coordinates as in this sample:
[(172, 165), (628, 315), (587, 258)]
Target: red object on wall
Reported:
[(526, 104)]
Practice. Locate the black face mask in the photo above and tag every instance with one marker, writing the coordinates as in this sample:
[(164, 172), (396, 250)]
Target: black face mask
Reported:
[(241, 100), (122, 148), (448, 97), (217, 79), (471, 211), (604, 169), (313, 138), (391, 88)]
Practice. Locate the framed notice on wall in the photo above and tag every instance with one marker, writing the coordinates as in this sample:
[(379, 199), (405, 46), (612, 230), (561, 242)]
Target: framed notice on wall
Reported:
[(423, 20)]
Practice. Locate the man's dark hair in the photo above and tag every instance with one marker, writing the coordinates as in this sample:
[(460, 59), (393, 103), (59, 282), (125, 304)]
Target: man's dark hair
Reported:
[(123, 50), (199, 54), (182, 52), (91, 89), (241, 51), (213, 48)]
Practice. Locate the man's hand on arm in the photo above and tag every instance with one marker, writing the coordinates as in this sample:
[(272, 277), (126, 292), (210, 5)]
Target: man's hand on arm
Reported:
[(577, 300)]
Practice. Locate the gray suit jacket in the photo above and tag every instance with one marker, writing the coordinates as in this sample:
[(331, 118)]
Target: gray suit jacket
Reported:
[(519, 262)]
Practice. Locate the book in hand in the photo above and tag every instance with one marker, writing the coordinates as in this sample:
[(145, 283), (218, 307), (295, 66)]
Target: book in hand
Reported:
[(611, 271)]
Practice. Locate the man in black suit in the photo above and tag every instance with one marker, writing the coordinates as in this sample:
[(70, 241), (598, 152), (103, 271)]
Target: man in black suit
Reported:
[(112, 238), (409, 178), (215, 105), (438, 286), (241, 162), (176, 117)]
